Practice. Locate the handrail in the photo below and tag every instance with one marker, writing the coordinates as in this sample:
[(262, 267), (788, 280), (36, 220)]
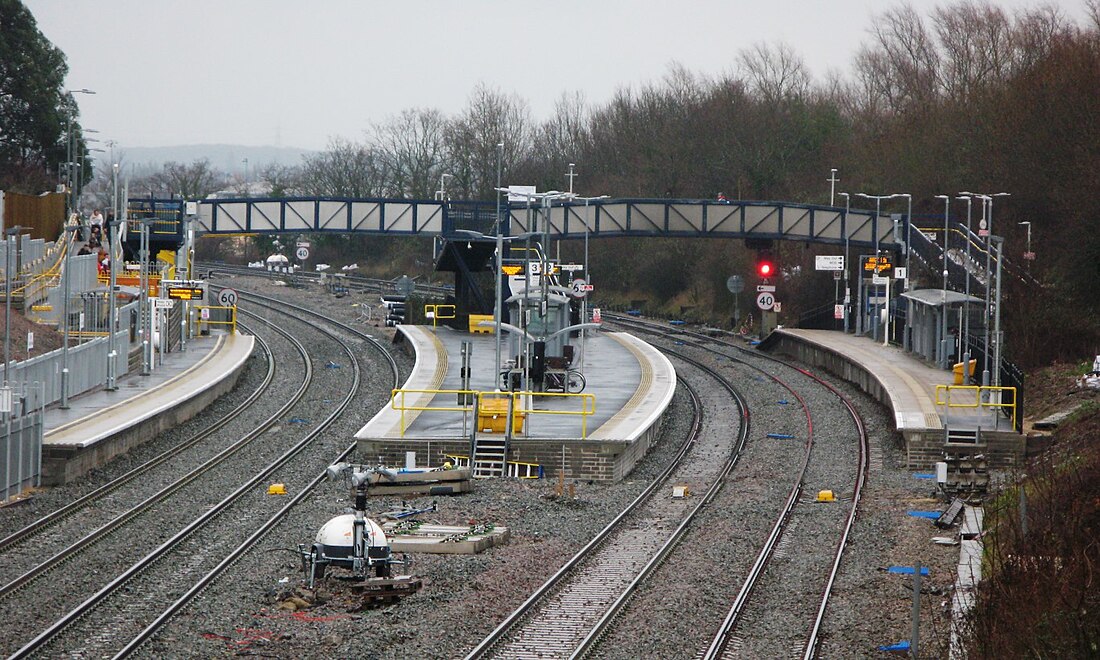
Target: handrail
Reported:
[(436, 312), (978, 391), (588, 403)]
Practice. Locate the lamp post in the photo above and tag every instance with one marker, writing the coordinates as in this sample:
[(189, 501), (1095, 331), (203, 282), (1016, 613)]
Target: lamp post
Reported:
[(847, 261), (878, 212), (9, 235), (943, 323), (966, 302), (986, 226), (587, 273), (441, 194), (66, 275), (499, 275), (832, 186)]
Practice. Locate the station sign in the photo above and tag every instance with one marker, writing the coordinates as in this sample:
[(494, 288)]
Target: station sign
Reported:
[(879, 264), (829, 262), (184, 289), (511, 269), (163, 303)]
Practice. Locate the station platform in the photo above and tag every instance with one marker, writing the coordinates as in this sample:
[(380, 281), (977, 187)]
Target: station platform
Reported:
[(908, 386), (629, 385), (102, 424)]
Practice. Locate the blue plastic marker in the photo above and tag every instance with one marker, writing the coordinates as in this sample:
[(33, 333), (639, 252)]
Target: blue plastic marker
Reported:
[(906, 570), (925, 514), (923, 475), (784, 436), (782, 402)]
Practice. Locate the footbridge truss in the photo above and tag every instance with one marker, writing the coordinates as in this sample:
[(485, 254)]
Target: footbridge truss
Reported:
[(567, 220)]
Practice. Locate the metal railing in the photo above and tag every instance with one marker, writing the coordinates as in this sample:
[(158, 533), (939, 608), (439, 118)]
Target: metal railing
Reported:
[(514, 469), (399, 403), (991, 394), (204, 318)]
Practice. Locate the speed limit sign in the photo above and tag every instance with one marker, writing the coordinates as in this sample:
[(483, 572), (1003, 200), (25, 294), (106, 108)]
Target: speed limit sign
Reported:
[(765, 300), (302, 253), (227, 298)]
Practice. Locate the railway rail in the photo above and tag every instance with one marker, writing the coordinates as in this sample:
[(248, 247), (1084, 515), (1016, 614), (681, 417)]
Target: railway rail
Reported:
[(103, 635), (563, 613), (726, 641)]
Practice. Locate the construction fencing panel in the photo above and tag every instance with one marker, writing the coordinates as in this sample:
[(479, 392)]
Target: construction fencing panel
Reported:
[(21, 439)]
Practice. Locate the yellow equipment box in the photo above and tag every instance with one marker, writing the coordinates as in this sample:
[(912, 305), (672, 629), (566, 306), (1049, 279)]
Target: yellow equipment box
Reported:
[(958, 369), (492, 416), (475, 321)]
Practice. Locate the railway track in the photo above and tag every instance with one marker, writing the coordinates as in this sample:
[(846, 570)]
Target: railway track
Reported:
[(180, 604), (757, 598), (570, 608), (75, 630)]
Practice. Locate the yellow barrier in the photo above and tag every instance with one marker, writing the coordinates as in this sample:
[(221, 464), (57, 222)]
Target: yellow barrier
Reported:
[(588, 405), (436, 312), (463, 395), (978, 390), (232, 322), (475, 323), (585, 412)]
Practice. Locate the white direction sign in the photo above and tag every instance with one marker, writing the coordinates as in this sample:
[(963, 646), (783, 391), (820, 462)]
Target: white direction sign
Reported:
[(302, 253), (879, 280), (227, 298), (829, 262), (760, 288), (765, 300), (163, 303)]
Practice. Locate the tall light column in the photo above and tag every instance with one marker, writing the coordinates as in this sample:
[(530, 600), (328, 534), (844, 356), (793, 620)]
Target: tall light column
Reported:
[(498, 313), (966, 302), (987, 221), (878, 213), (9, 234), (847, 260), (66, 275), (943, 324)]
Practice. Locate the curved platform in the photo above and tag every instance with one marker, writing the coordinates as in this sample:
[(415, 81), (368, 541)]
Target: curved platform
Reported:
[(629, 386), (99, 425), (908, 387)]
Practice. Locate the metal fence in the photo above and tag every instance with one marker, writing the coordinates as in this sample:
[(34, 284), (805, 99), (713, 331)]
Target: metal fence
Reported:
[(20, 437)]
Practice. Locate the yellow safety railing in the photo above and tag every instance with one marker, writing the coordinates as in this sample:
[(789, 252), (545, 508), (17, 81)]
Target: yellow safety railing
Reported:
[(436, 312), (515, 469), (588, 404), (978, 391), (204, 317), (461, 395)]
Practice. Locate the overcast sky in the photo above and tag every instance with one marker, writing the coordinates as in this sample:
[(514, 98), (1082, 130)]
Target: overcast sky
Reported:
[(295, 73)]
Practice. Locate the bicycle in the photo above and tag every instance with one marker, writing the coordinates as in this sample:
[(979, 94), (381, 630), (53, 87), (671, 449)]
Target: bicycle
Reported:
[(570, 381)]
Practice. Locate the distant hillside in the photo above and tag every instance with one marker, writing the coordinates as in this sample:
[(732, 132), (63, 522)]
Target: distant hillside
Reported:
[(224, 157)]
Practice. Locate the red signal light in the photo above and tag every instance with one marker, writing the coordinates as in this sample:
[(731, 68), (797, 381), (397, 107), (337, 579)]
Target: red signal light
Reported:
[(764, 269)]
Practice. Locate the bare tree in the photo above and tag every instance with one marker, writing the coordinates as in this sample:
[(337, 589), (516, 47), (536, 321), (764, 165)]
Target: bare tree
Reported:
[(775, 73), (412, 147), (345, 169), (490, 118), (194, 181)]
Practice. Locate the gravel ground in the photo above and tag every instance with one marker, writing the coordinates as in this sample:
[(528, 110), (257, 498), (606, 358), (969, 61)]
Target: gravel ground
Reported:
[(463, 596)]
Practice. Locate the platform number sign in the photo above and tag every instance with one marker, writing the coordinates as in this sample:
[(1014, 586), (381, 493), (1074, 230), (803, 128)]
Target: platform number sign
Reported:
[(765, 300), (227, 298)]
